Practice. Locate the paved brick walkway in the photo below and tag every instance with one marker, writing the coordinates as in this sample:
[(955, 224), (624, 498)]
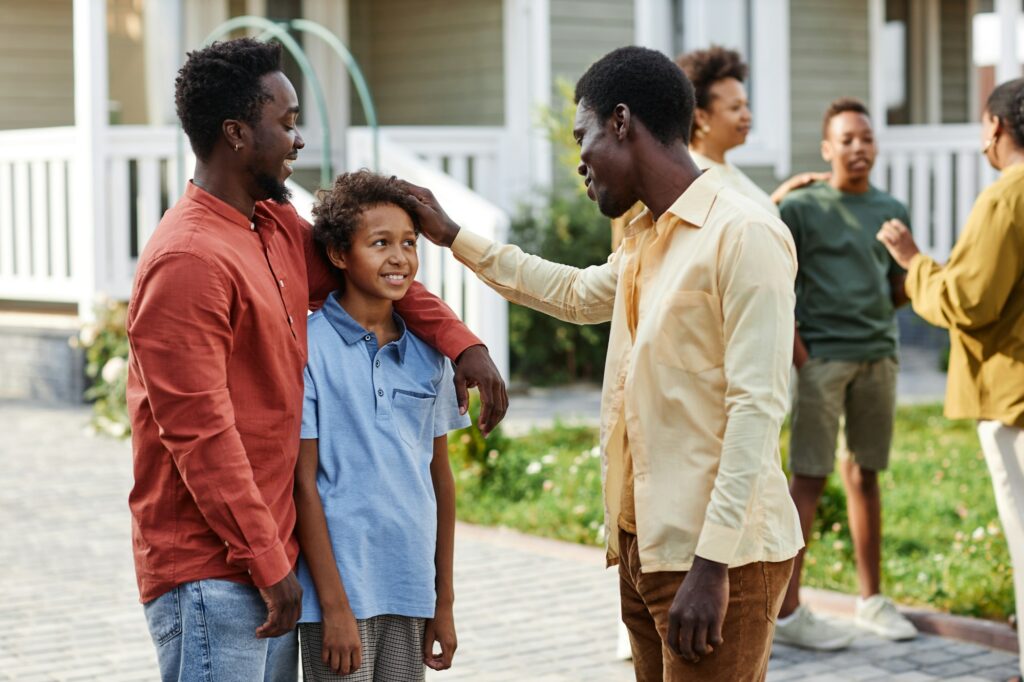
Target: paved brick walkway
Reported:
[(527, 609)]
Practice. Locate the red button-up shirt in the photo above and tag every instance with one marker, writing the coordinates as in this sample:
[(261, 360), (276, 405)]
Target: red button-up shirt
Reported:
[(217, 325)]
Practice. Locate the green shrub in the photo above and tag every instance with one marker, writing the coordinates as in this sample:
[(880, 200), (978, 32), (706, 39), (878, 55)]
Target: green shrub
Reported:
[(567, 228), (105, 342)]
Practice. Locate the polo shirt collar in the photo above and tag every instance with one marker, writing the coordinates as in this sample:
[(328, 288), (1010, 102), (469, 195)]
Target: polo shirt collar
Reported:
[(351, 332), (262, 219), (692, 206)]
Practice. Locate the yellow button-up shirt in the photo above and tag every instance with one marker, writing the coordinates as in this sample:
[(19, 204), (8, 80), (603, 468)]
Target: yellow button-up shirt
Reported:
[(702, 389), (979, 296)]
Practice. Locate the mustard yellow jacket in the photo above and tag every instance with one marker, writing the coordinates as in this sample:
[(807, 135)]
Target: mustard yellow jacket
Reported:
[(979, 296)]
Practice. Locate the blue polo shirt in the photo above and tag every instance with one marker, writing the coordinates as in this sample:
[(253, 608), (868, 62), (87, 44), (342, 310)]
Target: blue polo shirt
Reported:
[(375, 412)]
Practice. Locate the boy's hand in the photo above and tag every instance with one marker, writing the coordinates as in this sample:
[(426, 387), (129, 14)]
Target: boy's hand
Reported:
[(475, 368), (342, 648), (434, 222), (440, 629)]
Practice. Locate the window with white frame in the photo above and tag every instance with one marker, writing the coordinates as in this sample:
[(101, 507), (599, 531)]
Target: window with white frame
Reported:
[(758, 30)]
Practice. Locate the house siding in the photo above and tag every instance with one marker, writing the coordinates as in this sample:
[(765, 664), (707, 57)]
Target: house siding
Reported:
[(955, 62), (430, 63), (829, 58), (36, 64), (582, 31)]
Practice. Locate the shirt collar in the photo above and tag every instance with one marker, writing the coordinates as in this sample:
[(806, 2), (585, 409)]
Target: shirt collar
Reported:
[(351, 332), (692, 206), (262, 219)]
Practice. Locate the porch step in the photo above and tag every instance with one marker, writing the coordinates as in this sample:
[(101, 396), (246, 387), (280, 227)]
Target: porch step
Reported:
[(36, 361)]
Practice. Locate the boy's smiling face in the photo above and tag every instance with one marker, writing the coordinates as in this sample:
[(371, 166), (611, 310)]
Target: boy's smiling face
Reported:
[(382, 261)]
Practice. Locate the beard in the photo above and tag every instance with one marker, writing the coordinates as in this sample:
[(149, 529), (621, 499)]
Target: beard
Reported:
[(271, 187)]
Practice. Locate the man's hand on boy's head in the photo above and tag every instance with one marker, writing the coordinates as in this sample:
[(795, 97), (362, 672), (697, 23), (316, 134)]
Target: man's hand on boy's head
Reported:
[(434, 222), (475, 368)]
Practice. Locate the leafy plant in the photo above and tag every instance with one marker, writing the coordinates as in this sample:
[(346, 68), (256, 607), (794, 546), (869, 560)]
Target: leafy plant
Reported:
[(567, 228), (105, 342)]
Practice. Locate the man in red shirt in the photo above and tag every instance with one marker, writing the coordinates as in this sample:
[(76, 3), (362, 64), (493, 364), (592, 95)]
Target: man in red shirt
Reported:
[(217, 325)]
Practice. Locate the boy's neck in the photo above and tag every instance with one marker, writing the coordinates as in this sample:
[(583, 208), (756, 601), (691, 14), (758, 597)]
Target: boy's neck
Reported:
[(375, 315), (850, 186)]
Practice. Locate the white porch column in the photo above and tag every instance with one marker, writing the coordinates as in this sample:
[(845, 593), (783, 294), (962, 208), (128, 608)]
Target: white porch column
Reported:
[(527, 26), (88, 209), (164, 53), (652, 21), (1008, 66), (334, 77)]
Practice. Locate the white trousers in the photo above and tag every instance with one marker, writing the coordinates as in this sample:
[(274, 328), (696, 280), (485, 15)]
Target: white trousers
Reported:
[(1004, 452)]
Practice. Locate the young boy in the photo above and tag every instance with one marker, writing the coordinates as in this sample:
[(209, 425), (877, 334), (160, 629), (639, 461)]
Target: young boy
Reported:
[(847, 289), (374, 490)]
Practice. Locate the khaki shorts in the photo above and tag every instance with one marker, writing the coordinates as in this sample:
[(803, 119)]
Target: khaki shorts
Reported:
[(828, 390)]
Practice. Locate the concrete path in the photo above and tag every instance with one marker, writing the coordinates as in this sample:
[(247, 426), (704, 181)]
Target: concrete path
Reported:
[(528, 609)]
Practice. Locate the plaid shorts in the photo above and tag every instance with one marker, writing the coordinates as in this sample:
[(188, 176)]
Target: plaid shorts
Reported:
[(392, 651)]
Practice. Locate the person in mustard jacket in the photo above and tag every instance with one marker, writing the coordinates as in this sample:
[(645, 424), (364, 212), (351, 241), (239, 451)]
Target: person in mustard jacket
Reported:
[(979, 296)]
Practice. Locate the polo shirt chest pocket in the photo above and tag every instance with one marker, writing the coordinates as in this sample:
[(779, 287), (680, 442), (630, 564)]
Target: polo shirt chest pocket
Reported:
[(413, 414), (689, 332)]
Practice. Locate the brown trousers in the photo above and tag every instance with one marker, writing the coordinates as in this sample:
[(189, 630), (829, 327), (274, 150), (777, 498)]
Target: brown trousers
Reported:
[(755, 597)]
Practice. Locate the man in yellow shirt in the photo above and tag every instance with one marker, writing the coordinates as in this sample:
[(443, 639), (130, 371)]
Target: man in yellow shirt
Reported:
[(700, 295), (979, 296)]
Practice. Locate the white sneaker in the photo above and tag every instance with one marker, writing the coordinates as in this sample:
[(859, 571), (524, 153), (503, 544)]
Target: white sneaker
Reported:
[(879, 615), (803, 629)]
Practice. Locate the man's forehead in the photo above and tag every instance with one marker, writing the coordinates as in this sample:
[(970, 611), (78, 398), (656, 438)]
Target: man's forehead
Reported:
[(584, 115), (281, 90)]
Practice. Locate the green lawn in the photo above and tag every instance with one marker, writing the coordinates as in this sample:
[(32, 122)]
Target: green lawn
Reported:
[(942, 546)]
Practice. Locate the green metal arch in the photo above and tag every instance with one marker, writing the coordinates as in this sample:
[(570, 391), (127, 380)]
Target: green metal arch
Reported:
[(274, 30)]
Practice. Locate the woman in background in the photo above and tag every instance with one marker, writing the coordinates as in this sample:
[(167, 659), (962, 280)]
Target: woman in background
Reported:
[(978, 295), (721, 122)]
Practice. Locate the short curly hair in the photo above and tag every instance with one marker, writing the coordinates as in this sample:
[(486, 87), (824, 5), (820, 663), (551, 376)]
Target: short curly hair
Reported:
[(649, 83), (220, 82), (704, 68), (336, 214), (841, 106)]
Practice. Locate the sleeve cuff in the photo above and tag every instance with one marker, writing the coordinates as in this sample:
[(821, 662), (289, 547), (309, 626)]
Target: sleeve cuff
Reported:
[(470, 247), (271, 567), (718, 543)]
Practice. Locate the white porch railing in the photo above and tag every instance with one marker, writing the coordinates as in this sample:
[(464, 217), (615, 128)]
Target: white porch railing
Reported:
[(38, 220), (35, 223), (937, 171)]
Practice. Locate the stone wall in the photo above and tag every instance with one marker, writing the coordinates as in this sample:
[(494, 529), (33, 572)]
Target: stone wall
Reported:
[(38, 364)]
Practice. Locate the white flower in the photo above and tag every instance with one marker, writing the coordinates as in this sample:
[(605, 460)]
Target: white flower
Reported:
[(88, 335), (534, 468), (114, 369), (978, 535), (548, 459)]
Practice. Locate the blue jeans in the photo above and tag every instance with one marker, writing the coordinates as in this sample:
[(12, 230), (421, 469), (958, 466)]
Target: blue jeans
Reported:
[(206, 630)]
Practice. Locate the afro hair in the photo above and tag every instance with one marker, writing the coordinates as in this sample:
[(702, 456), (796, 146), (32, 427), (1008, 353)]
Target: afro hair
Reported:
[(221, 82), (704, 68), (649, 83)]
